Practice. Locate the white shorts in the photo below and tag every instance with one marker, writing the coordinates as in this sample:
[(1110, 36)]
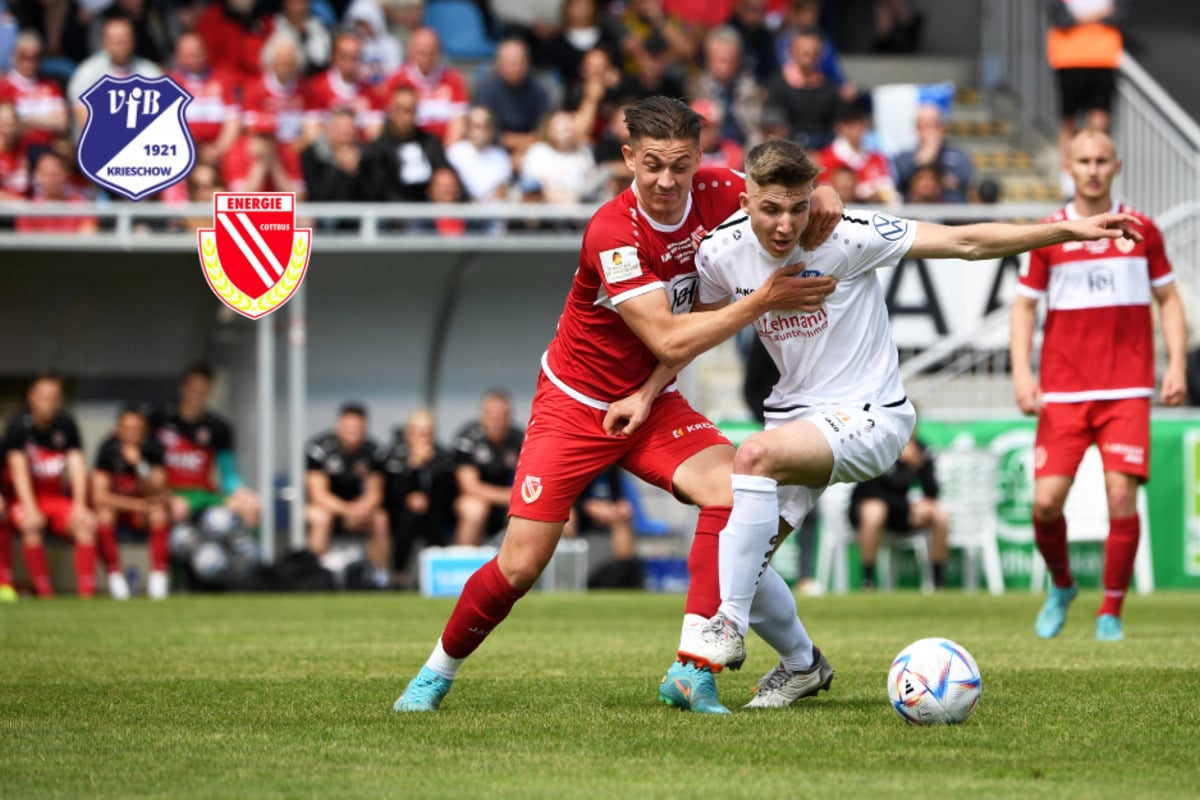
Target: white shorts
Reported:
[(866, 441)]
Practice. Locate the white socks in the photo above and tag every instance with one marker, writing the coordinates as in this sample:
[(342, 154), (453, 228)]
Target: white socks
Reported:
[(441, 663), (773, 617), (746, 545)]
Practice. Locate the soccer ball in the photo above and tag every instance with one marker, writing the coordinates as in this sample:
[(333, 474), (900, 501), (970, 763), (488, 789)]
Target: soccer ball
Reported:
[(934, 682)]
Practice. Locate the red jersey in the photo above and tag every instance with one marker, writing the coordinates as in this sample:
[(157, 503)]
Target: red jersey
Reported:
[(328, 92), (441, 97), (870, 168), (190, 448), (1099, 337), (32, 99), (45, 450), (595, 357), (269, 106), (213, 102), (239, 160), (232, 46), (14, 171)]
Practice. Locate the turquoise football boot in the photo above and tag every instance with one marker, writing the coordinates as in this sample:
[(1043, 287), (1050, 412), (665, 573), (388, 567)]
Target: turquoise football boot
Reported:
[(690, 688), (1053, 615), (424, 692)]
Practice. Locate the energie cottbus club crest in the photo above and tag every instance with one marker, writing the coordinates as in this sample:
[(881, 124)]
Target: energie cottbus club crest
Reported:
[(136, 141), (254, 257)]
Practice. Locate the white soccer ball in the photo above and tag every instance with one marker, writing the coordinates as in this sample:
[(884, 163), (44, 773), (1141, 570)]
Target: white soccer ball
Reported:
[(934, 682)]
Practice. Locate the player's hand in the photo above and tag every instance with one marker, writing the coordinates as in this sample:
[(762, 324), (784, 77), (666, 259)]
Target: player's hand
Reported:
[(417, 502), (1174, 388), (785, 290), (627, 415), (1107, 226), (825, 212), (1029, 396)]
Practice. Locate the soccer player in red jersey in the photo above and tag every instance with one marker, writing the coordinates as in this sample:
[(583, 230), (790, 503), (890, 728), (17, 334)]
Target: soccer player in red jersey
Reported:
[(626, 316), (49, 484), (129, 487), (1097, 375)]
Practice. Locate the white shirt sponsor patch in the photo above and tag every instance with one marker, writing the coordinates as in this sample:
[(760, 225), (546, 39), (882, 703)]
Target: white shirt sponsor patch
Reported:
[(620, 264)]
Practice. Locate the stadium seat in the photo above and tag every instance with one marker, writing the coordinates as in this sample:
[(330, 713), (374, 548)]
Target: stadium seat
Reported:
[(461, 28), (833, 558), (57, 68), (968, 480), (1086, 511), (323, 10)]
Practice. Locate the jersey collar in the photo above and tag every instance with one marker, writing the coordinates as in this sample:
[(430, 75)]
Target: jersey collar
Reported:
[(1072, 213)]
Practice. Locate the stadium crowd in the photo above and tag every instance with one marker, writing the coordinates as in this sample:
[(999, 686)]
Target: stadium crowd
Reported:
[(354, 100)]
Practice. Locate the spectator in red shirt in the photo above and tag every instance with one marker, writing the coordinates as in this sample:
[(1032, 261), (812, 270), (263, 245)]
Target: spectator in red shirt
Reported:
[(50, 182), (213, 116), (236, 32), (442, 98), (340, 87), (39, 102), (716, 150), (871, 167), (14, 165), (275, 102)]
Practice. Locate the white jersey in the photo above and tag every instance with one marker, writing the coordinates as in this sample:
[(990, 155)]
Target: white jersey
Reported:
[(841, 354)]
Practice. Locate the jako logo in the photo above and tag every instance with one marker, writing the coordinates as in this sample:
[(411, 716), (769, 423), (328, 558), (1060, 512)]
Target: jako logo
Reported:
[(531, 489)]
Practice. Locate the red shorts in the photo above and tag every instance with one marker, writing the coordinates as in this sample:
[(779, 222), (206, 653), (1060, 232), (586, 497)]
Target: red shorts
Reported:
[(56, 508), (1120, 428), (566, 447)]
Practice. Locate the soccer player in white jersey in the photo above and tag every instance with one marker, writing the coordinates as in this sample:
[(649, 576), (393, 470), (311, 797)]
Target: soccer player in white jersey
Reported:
[(1097, 376), (839, 412)]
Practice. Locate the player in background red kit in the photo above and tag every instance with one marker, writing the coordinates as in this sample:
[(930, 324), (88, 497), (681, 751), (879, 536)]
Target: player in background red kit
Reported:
[(1097, 375), (627, 315), (129, 487), (49, 484)]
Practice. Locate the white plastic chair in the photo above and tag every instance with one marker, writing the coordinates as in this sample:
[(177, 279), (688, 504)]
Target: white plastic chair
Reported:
[(968, 480), (1086, 511), (833, 570)]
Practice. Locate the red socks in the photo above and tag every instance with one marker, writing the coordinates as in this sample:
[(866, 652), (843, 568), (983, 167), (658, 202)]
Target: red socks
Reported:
[(485, 601), (160, 549), (704, 587), (39, 571), (6, 575), (85, 569), (106, 542), (1120, 550), (1051, 538)]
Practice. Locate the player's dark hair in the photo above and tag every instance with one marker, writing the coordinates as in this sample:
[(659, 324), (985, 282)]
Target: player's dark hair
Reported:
[(133, 407), (46, 374), (779, 162), (499, 393), (661, 117), (198, 369), (354, 407)]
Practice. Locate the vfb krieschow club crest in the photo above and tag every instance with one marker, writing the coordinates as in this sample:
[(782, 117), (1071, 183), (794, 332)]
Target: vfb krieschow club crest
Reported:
[(254, 256), (136, 141)]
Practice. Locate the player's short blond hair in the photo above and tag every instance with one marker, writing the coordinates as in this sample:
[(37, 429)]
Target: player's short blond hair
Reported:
[(779, 162)]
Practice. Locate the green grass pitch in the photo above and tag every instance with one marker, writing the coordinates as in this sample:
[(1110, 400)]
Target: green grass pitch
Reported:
[(291, 696)]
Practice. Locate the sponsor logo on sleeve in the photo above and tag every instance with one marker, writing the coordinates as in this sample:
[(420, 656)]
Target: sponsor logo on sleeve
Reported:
[(620, 264)]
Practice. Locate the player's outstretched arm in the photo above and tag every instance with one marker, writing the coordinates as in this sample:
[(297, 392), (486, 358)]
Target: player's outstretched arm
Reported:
[(676, 339), (999, 239)]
